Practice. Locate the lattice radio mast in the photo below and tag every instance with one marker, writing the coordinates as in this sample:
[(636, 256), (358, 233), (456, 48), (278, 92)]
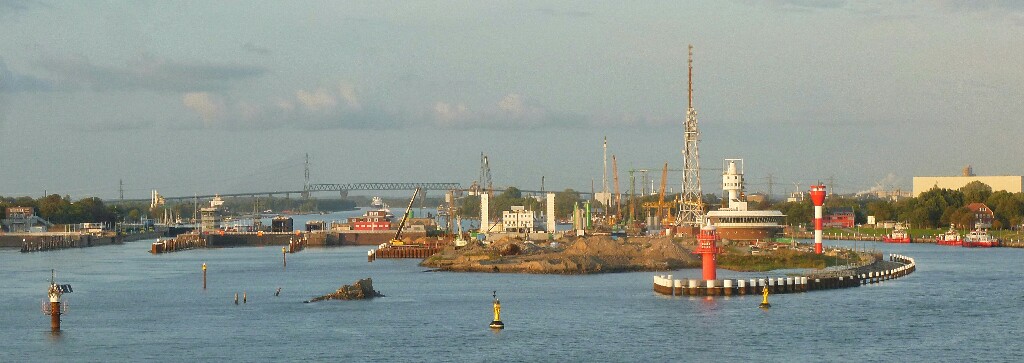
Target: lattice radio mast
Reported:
[(691, 210)]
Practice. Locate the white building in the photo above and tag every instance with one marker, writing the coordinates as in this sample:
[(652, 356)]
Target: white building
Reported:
[(518, 220)]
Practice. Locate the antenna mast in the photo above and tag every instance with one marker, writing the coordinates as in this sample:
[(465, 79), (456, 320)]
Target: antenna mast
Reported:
[(691, 211), (604, 179)]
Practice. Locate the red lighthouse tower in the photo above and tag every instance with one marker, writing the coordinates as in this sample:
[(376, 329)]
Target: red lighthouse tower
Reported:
[(707, 247), (818, 198)]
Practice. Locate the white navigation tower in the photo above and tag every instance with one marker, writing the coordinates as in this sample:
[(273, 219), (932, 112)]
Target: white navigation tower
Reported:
[(691, 209)]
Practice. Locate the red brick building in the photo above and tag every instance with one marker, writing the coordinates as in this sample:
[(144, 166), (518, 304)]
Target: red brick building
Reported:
[(983, 216), (839, 217)]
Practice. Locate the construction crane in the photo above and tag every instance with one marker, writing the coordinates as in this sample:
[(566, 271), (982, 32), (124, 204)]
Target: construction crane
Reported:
[(618, 197), (661, 206), (397, 241)]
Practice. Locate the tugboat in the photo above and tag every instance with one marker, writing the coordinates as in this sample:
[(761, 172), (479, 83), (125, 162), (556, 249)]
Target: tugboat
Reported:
[(979, 237), (950, 238), (899, 235)]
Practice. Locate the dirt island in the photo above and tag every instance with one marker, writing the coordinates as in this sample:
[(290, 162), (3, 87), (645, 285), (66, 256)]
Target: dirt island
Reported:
[(601, 254)]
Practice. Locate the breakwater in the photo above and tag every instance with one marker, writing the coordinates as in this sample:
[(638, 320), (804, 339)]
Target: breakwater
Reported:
[(897, 266)]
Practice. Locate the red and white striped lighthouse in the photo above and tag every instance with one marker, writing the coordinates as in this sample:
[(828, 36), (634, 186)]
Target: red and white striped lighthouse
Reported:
[(707, 247), (818, 198)]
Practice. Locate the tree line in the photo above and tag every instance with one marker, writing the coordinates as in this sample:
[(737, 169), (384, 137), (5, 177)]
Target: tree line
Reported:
[(935, 208)]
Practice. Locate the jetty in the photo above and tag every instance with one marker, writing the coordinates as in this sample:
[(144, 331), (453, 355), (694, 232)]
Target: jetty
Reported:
[(895, 267)]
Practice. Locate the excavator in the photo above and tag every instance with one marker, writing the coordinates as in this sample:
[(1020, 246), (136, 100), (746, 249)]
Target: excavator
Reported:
[(397, 241)]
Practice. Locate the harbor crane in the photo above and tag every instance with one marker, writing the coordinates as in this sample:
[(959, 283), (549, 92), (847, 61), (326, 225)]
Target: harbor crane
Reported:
[(397, 241), (661, 206)]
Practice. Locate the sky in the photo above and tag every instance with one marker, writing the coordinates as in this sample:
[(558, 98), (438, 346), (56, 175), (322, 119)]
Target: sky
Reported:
[(202, 97)]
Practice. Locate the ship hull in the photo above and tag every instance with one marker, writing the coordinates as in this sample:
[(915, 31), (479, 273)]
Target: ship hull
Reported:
[(949, 242), (369, 238), (896, 240), (981, 244)]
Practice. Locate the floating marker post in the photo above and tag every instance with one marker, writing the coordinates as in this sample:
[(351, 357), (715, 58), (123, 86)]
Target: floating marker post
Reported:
[(497, 324), (764, 302), (284, 255), (244, 298), (236, 298), (54, 309), (204, 275)]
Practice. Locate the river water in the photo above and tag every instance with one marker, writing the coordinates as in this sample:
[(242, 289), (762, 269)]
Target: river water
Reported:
[(128, 305)]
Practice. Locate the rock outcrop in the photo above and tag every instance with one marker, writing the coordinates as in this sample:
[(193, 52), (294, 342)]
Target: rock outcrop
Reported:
[(362, 289)]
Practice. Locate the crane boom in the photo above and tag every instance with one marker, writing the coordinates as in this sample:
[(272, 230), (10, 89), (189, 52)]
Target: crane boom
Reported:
[(661, 191), (405, 217), (618, 197)]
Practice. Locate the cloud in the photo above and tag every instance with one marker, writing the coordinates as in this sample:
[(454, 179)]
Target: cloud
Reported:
[(255, 49), (319, 108), (151, 74), (798, 5), (563, 13), (447, 114), (10, 6), (348, 93), (15, 82), (317, 100), (512, 111), (209, 107), (977, 5)]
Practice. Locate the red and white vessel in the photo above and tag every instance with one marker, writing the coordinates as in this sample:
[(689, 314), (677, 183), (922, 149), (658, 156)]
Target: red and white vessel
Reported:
[(377, 219), (979, 237), (950, 238), (899, 235)]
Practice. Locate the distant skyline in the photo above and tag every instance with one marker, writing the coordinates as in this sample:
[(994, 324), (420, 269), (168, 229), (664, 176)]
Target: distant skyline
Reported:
[(193, 97)]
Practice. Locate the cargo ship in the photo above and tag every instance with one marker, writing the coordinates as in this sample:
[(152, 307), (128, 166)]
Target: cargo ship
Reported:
[(377, 225), (980, 238), (735, 222), (950, 238), (899, 235)]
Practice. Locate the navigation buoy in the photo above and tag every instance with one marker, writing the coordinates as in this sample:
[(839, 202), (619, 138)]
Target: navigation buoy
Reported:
[(236, 298), (204, 275), (764, 302), (53, 308), (497, 324)]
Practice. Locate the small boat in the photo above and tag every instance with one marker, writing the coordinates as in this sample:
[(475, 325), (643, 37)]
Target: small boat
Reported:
[(950, 238), (979, 237), (899, 235)]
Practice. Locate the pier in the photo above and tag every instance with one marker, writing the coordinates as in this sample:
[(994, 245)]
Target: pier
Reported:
[(387, 250), (897, 266)]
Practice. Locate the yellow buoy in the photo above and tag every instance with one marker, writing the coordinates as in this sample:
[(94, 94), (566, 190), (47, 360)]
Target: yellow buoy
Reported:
[(497, 324), (764, 302)]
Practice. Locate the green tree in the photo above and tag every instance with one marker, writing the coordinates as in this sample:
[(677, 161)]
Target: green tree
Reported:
[(975, 192), (882, 210), (564, 202)]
